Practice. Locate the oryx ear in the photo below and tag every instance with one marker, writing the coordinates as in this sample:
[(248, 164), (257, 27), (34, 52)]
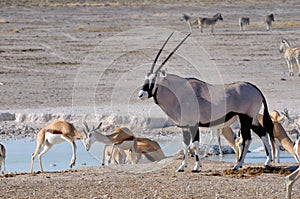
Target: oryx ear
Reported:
[(164, 73)]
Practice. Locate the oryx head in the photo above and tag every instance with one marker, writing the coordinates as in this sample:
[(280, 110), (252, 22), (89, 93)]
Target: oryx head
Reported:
[(89, 137), (149, 83)]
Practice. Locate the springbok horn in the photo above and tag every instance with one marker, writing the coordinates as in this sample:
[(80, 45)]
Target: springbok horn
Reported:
[(159, 52), (98, 127), (170, 55), (86, 126)]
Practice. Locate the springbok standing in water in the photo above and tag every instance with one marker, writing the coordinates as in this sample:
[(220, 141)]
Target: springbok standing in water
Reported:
[(121, 138), (191, 103)]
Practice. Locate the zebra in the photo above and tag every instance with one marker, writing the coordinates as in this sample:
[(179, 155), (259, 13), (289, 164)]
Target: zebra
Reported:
[(291, 55), (209, 21), (268, 20), (243, 21), (189, 20)]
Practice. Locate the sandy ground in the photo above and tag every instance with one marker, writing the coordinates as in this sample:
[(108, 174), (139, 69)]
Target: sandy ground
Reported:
[(80, 60)]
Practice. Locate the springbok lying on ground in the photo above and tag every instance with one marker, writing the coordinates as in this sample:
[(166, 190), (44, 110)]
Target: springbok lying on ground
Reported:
[(203, 21), (121, 138), (291, 55), (268, 19), (55, 133), (243, 22), (191, 103), (2, 157)]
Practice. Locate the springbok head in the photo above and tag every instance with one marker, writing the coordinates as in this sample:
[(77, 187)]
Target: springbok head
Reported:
[(150, 78), (89, 137)]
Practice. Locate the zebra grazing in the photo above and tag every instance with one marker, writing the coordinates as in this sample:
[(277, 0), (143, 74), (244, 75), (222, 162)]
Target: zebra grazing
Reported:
[(190, 20), (268, 20), (209, 21), (243, 22), (291, 55)]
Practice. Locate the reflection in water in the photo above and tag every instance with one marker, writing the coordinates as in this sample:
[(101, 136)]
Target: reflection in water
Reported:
[(59, 156)]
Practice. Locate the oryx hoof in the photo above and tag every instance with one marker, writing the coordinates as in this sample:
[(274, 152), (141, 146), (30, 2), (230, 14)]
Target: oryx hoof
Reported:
[(195, 171), (267, 166), (180, 170)]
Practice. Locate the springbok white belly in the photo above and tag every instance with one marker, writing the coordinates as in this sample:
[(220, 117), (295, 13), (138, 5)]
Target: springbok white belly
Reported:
[(126, 145), (54, 138)]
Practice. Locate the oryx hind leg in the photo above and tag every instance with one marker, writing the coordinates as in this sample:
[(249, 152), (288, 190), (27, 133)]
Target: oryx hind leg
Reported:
[(262, 133), (186, 143)]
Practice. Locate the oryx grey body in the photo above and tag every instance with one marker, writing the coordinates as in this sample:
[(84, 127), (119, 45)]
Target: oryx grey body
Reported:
[(291, 55), (192, 103), (243, 22)]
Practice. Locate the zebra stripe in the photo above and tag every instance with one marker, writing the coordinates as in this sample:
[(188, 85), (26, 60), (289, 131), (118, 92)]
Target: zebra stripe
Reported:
[(291, 55)]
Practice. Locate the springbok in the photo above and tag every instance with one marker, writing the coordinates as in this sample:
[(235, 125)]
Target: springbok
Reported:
[(55, 133), (2, 157), (117, 155), (243, 22), (203, 21), (147, 147), (121, 138), (191, 103), (268, 19), (291, 55)]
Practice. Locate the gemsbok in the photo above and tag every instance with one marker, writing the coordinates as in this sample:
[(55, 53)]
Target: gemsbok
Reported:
[(55, 133), (121, 138), (204, 21), (243, 22), (291, 55), (2, 157), (268, 19), (191, 103)]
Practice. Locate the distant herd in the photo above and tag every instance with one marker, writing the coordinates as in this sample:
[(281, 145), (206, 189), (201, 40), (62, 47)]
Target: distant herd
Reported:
[(188, 103), (206, 21)]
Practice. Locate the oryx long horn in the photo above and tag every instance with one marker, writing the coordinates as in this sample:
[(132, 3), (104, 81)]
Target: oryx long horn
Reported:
[(159, 52), (170, 55)]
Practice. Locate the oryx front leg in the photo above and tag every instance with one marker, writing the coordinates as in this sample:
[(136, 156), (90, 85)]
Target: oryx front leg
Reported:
[(195, 136), (186, 143)]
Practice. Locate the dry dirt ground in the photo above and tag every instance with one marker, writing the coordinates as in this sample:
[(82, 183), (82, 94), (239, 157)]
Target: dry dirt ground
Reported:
[(83, 57)]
